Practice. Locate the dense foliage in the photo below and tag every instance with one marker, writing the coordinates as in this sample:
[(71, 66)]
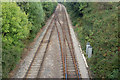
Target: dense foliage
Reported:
[(15, 28), (0, 41), (97, 23), (20, 23), (36, 17), (37, 14), (48, 8)]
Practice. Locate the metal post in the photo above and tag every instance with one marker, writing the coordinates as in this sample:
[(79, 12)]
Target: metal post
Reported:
[(87, 45), (89, 52)]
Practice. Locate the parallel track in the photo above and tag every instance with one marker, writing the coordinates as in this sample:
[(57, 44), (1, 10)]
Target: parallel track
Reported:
[(69, 63)]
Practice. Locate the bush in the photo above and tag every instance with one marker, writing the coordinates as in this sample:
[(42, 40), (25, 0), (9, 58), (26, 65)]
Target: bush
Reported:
[(37, 14), (15, 29), (36, 17), (49, 8), (20, 24), (98, 25)]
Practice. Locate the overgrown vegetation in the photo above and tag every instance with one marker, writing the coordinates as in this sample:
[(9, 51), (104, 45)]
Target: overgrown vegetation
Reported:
[(37, 14), (20, 23), (0, 42), (97, 23), (48, 8), (15, 28)]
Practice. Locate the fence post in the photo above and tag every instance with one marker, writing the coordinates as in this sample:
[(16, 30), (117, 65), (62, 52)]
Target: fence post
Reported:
[(89, 52), (87, 45)]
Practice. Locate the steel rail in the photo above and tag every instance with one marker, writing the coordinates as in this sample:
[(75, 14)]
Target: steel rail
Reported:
[(71, 51), (38, 49), (73, 55), (61, 50), (65, 52), (69, 47), (46, 49), (63, 32)]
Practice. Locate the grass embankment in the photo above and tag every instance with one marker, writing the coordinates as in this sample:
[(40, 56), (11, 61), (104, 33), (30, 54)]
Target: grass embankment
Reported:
[(20, 23), (97, 23)]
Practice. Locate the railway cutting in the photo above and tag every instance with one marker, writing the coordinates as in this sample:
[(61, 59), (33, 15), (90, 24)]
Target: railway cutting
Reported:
[(54, 54)]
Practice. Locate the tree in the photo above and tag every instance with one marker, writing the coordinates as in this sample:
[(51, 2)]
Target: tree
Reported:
[(15, 28)]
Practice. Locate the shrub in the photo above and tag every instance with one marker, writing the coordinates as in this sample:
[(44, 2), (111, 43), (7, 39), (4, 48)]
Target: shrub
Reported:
[(20, 24), (15, 28), (37, 14), (99, 26), (49, 8)]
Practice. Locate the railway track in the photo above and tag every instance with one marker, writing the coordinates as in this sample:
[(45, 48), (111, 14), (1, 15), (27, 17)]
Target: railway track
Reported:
[(37, 62), (70, 68), (69, 63)]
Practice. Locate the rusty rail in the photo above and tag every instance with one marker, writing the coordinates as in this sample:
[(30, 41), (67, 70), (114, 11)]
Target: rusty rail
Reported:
[(62, 47), (46, 49), (61, 50), (65, 38), (38, 49), (73, 55)]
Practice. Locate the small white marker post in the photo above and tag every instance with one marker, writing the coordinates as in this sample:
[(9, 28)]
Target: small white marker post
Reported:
[(87, 45), (89, 52)]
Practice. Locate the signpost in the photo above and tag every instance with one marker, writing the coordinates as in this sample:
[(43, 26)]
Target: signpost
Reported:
[(87, 45), (88, 50)]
